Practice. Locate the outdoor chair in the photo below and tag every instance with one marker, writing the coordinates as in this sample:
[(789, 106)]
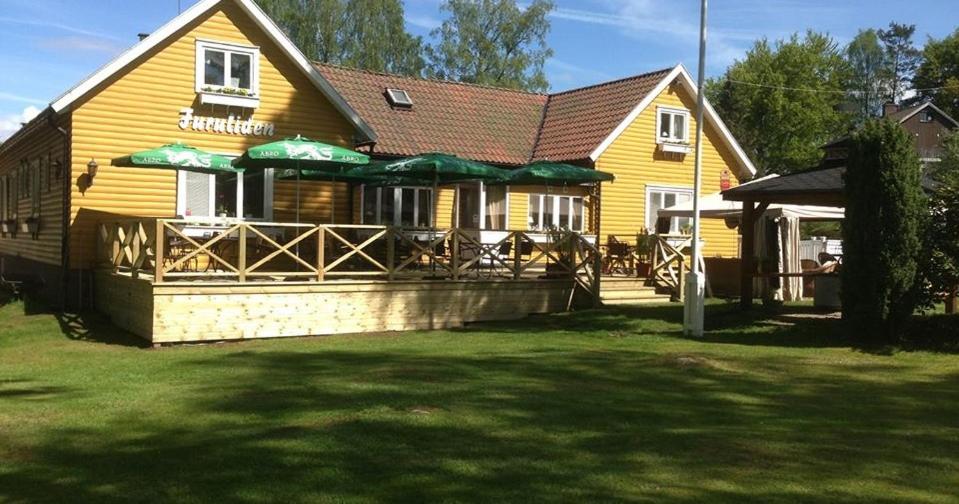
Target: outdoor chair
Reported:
[(617, 258)]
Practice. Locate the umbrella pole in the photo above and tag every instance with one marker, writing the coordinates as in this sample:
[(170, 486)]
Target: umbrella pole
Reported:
[(435, 204), (297, 192)]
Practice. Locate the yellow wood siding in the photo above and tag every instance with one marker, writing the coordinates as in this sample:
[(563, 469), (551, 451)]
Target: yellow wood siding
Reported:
[(42, 149), (637, 163), (139, 109)]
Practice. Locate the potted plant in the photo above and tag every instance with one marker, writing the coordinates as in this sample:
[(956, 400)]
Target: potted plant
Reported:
[(645, 245)]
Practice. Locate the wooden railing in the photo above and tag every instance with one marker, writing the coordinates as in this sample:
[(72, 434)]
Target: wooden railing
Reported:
[(176, 249), (670, 262)]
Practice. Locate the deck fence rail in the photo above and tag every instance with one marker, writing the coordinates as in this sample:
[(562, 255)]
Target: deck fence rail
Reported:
[(243, 251)]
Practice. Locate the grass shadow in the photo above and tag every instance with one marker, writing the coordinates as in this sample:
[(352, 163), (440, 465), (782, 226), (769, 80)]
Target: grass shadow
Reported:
[(93, 327)]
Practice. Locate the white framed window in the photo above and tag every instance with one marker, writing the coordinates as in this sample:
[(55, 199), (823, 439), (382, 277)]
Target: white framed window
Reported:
[(672, 125), (658, 198), (555, 211), (247, 195), (482, 206), (227, 74), (397, 206)]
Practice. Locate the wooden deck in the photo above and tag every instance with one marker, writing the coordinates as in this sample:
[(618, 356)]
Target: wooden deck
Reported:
[(168, 282)]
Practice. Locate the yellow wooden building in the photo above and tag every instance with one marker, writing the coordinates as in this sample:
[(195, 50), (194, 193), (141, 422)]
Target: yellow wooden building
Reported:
[(223, 77)]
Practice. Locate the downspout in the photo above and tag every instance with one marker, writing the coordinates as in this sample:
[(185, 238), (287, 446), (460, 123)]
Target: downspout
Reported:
[(67, 174)]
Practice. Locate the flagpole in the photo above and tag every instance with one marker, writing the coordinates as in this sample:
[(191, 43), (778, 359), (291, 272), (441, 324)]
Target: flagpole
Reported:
[(696, 281)]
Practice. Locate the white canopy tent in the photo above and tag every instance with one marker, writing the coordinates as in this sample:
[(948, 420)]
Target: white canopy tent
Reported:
[(786, 217)]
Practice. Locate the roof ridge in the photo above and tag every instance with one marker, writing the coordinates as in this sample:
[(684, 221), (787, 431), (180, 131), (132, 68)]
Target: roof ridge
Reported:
[(539, 129), (615, 81), (426, 79)]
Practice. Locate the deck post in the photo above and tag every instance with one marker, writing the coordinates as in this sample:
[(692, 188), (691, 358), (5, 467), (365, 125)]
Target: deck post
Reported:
[(517, 256), (390, 253), (455, 253), (597, 276), (748, 228), (158, 256), (320, 253), (241, 254)]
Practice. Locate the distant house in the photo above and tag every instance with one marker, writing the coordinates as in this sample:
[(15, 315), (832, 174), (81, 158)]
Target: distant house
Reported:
[(927, 123)]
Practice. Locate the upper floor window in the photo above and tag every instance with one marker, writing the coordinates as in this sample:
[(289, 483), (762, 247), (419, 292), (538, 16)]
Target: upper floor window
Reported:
[(228, 71), (672, 125), (925, 116)]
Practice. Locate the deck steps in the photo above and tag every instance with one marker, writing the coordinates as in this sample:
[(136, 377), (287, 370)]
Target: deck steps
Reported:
[(628, 291)]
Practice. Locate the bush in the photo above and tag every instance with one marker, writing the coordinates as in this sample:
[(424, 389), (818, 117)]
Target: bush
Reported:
[(885, 212)]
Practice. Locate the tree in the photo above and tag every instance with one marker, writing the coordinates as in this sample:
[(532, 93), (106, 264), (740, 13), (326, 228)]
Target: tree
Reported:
[(782, 102), (941, 267), (492, 42), (940, 70), (869, 75), (885, 212), (902, 55), (367, 34)]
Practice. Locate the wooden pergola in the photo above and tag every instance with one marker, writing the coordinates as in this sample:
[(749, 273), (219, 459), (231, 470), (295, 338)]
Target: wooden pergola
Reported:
[(814, 187)]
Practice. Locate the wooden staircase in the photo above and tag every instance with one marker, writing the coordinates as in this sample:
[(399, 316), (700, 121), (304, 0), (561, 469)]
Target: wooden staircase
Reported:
[(629, 291)]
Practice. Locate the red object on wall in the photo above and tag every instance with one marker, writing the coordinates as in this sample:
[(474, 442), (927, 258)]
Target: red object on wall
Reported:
[(724, 180)]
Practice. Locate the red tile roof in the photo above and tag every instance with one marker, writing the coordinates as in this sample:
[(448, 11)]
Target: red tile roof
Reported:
[(577, 121), (489, 124), (482, 123)]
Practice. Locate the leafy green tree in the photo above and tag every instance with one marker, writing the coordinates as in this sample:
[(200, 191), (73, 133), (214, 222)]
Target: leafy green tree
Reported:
[(940, 69), (375, 38), (885, 213), (902, 55), (870, 75), (492, 42), (782, 102), (367, 34), (941, 267)]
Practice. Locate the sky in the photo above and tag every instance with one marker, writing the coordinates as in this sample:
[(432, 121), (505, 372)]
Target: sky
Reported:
[(47, 46)]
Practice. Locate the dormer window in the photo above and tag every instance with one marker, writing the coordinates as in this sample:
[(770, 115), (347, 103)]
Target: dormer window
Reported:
[(399, 97), (227, 74)]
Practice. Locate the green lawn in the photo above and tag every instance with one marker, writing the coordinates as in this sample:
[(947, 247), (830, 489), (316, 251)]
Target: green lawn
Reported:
[(609, 405)]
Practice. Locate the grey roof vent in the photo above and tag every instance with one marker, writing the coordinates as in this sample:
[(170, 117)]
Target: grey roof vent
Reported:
[(399, 97)]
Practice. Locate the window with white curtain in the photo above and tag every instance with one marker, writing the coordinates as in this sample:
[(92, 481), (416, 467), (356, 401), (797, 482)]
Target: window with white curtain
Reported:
[(658, 198), (247, 195), (227, 67), (672, 125), (554, 211)]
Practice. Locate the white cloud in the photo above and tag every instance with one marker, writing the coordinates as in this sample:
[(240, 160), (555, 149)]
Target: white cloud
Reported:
[(57, 26), (422, 21), (665, 21), (81, 43), (21, 99), (11, 123)]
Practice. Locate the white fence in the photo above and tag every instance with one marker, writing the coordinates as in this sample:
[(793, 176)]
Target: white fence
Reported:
[(810, 249)]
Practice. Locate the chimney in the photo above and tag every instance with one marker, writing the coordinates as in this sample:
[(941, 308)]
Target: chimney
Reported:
[(889, 108), (142, 36)]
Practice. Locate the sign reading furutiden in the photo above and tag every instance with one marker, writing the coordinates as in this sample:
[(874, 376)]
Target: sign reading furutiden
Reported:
[(232, 125)]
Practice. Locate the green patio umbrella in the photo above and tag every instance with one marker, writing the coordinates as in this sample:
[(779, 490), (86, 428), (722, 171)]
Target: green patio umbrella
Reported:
[(178, 156), (549, 173), (300, 153)]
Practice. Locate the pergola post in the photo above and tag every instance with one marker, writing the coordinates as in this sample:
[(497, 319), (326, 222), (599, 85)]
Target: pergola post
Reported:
[(746, 266)]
